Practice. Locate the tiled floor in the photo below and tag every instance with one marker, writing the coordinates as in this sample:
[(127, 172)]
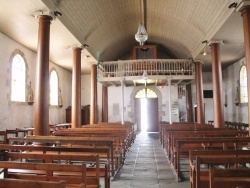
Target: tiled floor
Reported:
[(146, 166)]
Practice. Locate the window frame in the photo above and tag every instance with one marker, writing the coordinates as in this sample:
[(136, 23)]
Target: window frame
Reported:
[(18, 59), (243, 92), (146, 93), (54, 88)]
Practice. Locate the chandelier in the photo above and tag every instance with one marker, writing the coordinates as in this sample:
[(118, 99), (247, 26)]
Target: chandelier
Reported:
[(141, 36)]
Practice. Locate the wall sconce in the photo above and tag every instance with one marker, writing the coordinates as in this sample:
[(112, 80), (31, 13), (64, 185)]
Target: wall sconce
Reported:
[(30, 97), (60, 100), (225, 104), (205, 48), (237, 95)]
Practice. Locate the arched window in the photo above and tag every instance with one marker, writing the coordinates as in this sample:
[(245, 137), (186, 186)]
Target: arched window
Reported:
[(243, 85), (18, 76), (146, 93), (53, 88)]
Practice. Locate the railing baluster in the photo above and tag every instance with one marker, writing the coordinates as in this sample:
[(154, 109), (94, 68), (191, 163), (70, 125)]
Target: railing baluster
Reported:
[(153, 67)]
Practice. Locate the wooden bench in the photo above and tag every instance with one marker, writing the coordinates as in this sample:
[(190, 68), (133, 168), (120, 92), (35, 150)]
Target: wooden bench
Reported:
[(126, 124), (38, 152), (92, 173), (120, 134), (173, 135), (12, 183), (229, 178), (202, 177), (180, 127), (183, 145), (46, 172), (129, 127), (211, 153), (76, 141), (2, 136)]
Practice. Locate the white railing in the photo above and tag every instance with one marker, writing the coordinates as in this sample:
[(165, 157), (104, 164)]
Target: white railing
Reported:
[(152, 66)]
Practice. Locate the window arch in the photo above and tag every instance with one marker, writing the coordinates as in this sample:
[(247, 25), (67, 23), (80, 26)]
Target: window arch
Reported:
[(243, 85), (18, 77), (53, 88), (146, 93)]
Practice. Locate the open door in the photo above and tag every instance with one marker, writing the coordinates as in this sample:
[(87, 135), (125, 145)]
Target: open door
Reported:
[(153, 120), (138, 114), (146, 111)]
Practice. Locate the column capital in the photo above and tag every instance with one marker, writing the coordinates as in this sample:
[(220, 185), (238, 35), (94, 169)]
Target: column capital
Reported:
[(211, 42), (39, 13), (76, 47), (245, 4), (93, 63), (198, 61)]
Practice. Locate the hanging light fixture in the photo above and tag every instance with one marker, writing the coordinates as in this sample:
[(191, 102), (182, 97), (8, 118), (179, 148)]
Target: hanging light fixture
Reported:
[(141, 36), (205, 50)]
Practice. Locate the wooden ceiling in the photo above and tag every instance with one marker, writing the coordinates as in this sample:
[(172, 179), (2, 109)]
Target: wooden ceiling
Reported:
[(109, 28)]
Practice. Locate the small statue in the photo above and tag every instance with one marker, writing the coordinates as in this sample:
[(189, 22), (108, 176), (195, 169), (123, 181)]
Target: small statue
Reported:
[(30, 98), (60, 100), (237, 100)]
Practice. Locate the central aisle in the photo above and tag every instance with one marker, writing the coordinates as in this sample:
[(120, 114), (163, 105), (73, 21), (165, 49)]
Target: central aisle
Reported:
[(146, 166)]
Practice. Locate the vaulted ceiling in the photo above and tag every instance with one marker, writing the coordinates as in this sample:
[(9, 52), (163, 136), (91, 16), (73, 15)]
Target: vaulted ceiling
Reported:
[(178, 27)]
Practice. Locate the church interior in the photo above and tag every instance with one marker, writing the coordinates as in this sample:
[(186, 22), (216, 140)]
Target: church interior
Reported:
[(115, 93)]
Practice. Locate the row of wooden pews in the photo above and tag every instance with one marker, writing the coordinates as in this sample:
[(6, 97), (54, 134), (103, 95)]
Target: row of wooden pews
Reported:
[(181, 141), (233, 125), (99, 150)]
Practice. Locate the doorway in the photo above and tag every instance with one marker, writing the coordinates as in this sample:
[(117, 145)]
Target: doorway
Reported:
[(146, 111)]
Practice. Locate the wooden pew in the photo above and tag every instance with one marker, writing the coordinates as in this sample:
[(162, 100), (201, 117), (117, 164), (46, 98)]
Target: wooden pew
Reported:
[(180, 127), (184, 145), (193, 154), (46, 172), (92, 173), (102, 125), (2, 137), (104, 170), (202, 177), (229, 178), (173, 135), (10, 133), (120, 133), (13, 183), (127, 124), (198, 132), (76, 141)]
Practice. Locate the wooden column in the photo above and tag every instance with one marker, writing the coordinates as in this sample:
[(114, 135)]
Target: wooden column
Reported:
[(169, 102), (122, 102), (41, 104), (93, 95), (189, 106), (217, 86), (199, 93), (104, 103), (245, 13), (76, 88)]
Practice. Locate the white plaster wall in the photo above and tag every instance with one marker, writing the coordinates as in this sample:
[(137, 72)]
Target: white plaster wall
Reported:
[(17, 115), (85, 93), (114, 98), (85, 89), (230, 77), (208, 102)]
